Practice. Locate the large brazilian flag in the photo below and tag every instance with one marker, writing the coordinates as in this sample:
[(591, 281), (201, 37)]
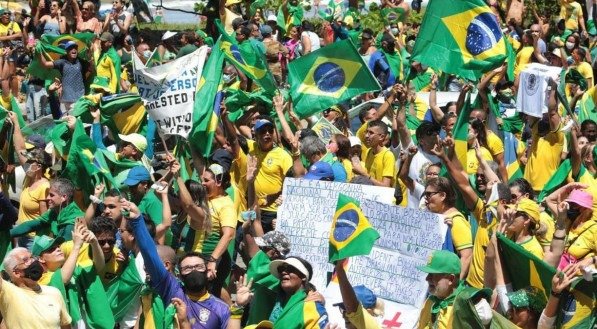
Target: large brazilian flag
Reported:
[(578, 306), (461, 37), (351, 234), (328, 76)]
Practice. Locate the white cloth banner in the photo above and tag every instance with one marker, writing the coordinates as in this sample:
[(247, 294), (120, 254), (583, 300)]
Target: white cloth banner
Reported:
[(532, 93), (408, 237), (168, 92)]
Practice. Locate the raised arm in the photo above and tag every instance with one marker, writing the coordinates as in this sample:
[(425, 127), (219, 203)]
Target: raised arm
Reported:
[(97, 194), (436, 111), (164, 226), (197, 215), (18, 139), (279, 107), (552, 107)]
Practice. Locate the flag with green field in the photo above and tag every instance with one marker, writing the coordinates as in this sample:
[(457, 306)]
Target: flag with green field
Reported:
[(351, 233), (328, 76), (461, 37)]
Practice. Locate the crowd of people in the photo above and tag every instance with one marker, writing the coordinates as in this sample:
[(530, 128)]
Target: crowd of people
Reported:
[(191, 242)]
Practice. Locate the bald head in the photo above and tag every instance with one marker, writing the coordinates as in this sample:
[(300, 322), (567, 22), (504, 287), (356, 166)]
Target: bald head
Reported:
[(168, 257)]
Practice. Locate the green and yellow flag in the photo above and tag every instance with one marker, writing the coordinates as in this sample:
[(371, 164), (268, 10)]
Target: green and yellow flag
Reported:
[(578, 307), (247, 58), (351, 234), (393, 15), (461, 37), (587, 109), (49, 47), (523, 268), (328, 76), (559, 178), (460, 132), (205, 120)]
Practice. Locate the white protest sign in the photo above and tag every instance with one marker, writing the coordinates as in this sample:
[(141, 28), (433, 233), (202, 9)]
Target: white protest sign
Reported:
[(168, 92), (533, 92), (407, 238)]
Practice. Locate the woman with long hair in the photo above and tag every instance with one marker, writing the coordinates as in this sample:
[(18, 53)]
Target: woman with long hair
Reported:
[(53, 23), (339, 146), (440, 198)]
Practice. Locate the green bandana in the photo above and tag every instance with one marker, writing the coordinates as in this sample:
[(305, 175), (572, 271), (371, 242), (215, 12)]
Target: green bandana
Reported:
[(440, 304)]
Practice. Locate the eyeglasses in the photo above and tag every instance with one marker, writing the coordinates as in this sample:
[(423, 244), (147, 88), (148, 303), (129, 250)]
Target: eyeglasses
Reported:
[(25, 261), (103, 242), (429, 194), (326, 112), (189, 268)]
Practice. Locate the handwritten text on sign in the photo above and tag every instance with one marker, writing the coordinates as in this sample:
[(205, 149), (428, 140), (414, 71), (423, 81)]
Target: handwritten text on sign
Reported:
[(168, 92), (407, 237)]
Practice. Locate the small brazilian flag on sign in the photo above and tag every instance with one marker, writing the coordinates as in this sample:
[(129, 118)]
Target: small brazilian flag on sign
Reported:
[(328, 76), (351, 233), (461, 37)]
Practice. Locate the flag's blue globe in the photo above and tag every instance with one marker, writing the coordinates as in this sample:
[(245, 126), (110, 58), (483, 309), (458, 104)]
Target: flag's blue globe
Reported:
[(346, 225), (482, 34), (329, 77), (236, 53)]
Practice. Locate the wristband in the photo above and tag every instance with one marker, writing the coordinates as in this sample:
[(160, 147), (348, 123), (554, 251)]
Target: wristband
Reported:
[(95, 199), (212, 260), (556, 294)]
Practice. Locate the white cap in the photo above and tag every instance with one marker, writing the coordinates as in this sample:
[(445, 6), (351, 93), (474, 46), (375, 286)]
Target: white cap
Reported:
[(168, 35), (354, 140), (272, 17)]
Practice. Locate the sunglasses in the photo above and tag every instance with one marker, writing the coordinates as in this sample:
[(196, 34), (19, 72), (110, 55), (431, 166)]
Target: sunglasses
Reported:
[(287, 269), (110, 242), (429, 194)]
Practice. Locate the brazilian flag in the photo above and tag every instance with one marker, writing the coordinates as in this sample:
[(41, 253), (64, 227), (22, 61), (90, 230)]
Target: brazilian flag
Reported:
[(205, 120), (351, 234), (393, 15), (461, 37), (247, 58), (578, 307), (328, 76), (510, 156), (559, 178), (49, 47), (588, 111), (460, 133), (523, 268)]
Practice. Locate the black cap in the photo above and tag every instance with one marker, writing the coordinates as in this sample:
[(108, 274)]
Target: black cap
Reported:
[(223, 158), (427, 128)]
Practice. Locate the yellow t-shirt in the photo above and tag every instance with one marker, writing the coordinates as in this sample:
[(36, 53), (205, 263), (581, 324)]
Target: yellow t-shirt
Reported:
[(227, 19), (84, 259), (462, 237), (571, 13), (494, 144), (362, 319), (223, 214), (347, 164), (582, 241), (473, 163), (547, 220), (544, 157), (12, 26), (585, 177), (273, 166), (586, 71), (533, 246), (380, 165), (45, 278), (5, 101), (481, 241), (29, 201), (523, 58), (443, 320), (238, 175), (24, 308)]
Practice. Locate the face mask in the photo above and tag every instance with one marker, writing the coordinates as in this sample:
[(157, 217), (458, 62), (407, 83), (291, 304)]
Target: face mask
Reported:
[(543, 127), (34, 271), (573, 213), (147, 54), (569, 45), (394, 31), (195, 281), (227, 78), (30, 173)]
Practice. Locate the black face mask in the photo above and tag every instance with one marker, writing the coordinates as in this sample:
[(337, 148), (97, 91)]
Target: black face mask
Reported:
[(573, 213), (195, 281), (543, 127), (34, 271)]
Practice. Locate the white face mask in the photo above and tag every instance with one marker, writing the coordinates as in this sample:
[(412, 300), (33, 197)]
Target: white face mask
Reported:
[(569, 45), (227, 78), (394, 31), (484, 311), (147, 54)]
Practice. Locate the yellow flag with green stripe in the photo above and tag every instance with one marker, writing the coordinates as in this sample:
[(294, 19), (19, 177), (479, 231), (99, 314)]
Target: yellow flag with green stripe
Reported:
[(578, 307), (351, 234), (460, 133)]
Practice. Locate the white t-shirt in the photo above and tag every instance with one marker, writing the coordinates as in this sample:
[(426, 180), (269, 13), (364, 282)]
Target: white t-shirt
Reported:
[(314, 41)]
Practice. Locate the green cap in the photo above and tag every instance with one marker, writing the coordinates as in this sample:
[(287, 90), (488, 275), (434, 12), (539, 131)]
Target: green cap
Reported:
[(529, 297), (441, 262), (101, 83), (43, 243)]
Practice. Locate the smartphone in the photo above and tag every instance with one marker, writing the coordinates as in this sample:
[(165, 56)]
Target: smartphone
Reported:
[(158, 187)]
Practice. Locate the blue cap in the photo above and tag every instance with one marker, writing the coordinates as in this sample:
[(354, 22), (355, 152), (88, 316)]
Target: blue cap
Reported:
[(262, 123), (136, 175), (319, 171), (266, 29), (365, 296), (69, 44)]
